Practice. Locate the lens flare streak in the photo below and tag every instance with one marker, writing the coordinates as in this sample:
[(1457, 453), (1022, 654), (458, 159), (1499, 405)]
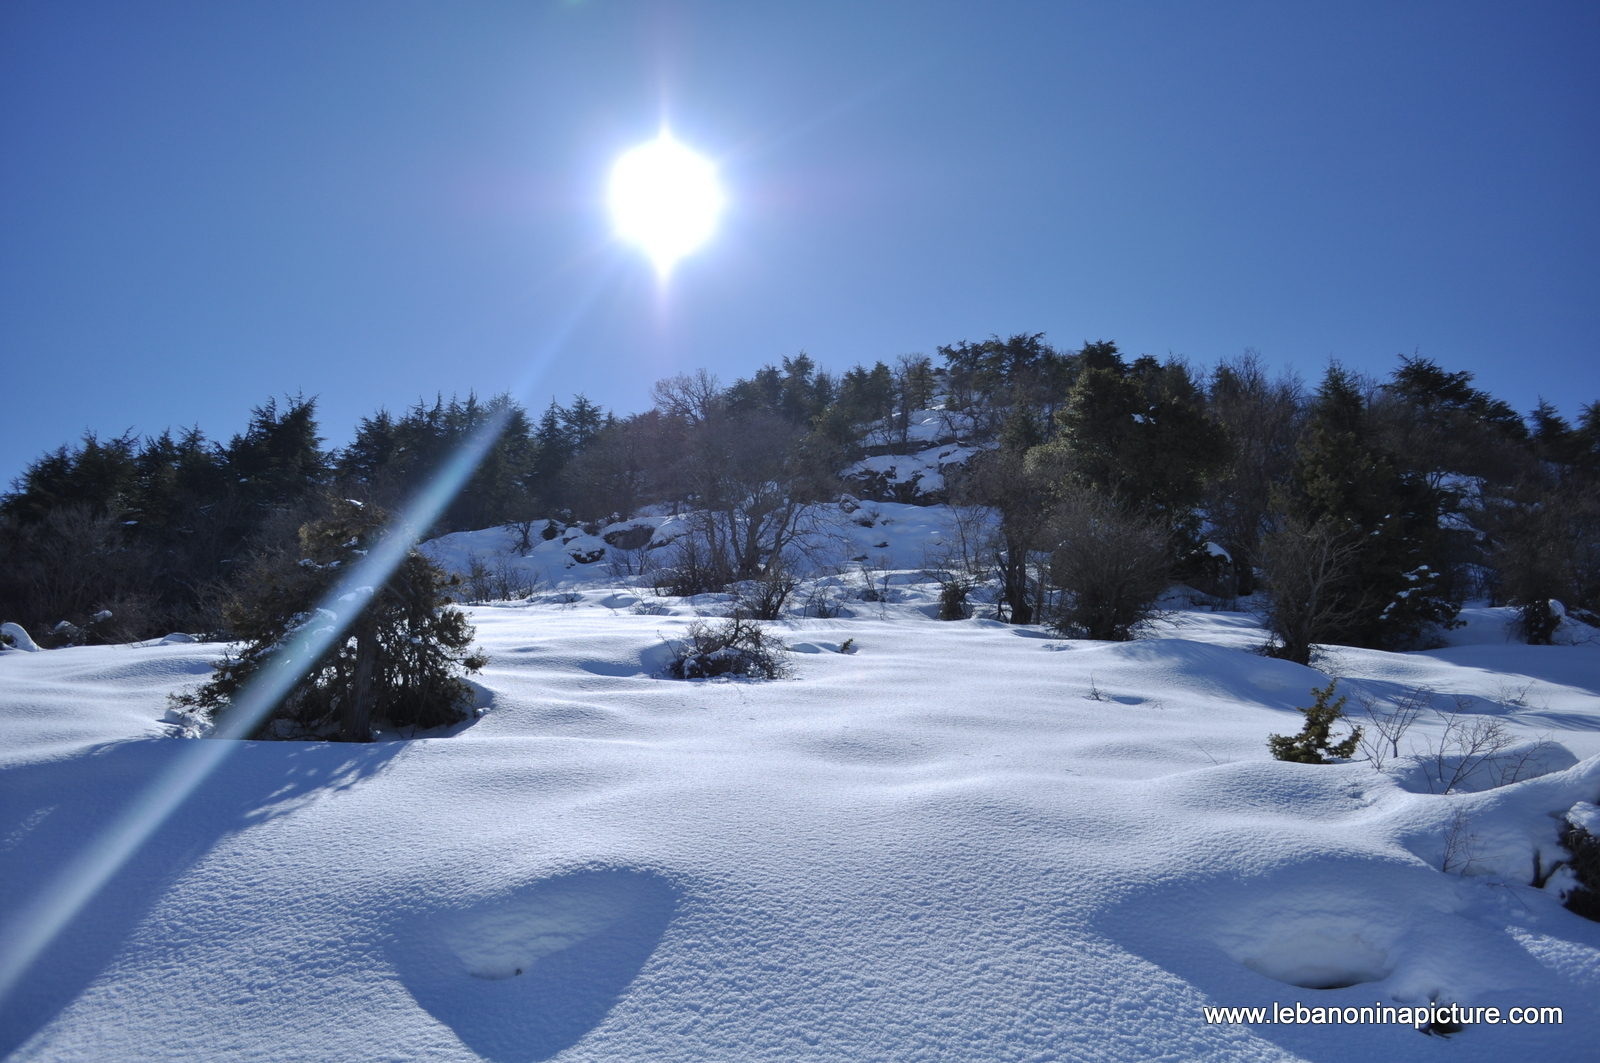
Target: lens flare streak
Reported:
[(35, 924)]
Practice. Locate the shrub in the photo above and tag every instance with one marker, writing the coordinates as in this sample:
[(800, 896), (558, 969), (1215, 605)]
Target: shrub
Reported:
[(399, 662), (736, 646), (1307, 568), (953, 599), (1311, 745), (763, 598), (1111, 565), (500, 581), (1585, 864), (695, 566)]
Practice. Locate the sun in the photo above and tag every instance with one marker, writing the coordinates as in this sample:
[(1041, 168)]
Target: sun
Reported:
[(665, 198)]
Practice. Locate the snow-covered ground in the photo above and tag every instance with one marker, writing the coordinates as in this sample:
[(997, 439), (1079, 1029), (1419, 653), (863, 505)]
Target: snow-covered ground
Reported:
[(959, 841)]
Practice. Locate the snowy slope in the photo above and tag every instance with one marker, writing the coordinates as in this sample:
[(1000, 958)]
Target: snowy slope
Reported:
[(962, 841)]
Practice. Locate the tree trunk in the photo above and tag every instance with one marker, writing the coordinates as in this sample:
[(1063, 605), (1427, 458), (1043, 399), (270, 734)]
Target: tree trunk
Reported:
[(358, 711)]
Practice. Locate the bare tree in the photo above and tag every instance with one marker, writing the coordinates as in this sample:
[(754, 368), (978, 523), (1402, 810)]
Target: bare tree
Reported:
[(1306, 566), (693, 398), (1381, 743), (1111, 566)]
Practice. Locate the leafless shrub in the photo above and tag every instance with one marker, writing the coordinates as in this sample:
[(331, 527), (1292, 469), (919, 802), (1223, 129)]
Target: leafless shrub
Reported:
[(1306, 570), (821, 600), (523, 531), (1461, 846), (1381, 743), (1469, 745), (624, 561), (874, 580), (497, 581), (735, 646), (957, 565), (1110, 564), (763, 598), (695, 566)]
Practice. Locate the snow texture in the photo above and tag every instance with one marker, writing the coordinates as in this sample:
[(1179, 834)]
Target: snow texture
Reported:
[(962, 841)]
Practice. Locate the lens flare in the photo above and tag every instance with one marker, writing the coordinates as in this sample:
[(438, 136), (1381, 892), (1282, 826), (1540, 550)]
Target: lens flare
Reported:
[(31, 927), (666, 199)]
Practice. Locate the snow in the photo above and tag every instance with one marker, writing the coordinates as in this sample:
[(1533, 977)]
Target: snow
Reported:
[(1585, 816), (15, 636), (923, 472), (961, 841)]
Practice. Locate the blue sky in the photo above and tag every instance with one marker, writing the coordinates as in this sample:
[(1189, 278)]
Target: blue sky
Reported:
[(203, 205)]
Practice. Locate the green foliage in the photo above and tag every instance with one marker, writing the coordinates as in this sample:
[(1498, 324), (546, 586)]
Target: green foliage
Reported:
[(1139, 432), (399, 662), (391, 458), (1393, 591), (999, 374), (279, 458), (1314, 745), (797, 393)]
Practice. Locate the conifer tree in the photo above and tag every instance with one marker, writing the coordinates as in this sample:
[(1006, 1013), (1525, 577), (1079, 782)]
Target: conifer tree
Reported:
[(1344, 479), (400, 662), (1314, 744)]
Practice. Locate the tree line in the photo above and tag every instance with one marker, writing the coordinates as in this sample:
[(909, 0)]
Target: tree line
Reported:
[(1368, 509)]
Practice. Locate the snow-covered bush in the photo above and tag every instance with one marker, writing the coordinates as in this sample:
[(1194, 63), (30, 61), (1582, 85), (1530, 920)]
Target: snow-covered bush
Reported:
[(1584, 845), (735, 646)]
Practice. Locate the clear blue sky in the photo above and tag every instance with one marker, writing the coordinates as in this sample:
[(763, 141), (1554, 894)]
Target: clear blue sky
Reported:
[(202, 205)]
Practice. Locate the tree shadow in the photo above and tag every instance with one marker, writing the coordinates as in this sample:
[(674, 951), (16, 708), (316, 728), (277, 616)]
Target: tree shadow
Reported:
[(49, 811), (522, 976)]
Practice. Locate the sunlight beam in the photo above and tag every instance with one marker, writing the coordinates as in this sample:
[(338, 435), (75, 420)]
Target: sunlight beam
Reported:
[(35, 924)]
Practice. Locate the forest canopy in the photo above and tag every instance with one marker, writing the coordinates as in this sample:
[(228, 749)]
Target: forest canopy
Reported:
[(1361, 510)]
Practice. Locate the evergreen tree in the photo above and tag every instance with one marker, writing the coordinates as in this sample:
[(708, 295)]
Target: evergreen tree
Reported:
[(1140, 434), (399, 662), (279, 457), (1393, 593), (1314, 744), (96, 475)]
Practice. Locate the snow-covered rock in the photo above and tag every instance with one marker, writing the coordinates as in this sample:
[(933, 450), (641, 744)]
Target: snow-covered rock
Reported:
[(17, 638)]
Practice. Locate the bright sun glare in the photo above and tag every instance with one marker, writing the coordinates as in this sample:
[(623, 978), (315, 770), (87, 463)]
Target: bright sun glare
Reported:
[(664, 198)]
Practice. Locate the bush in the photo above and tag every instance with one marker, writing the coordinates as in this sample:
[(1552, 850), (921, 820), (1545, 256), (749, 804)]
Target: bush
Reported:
[(1585, 864), (399, 662), (736, 646), (499, 581), (1111, 565), (695, 566), (1307, 571), (1311, 745), (763, 598)]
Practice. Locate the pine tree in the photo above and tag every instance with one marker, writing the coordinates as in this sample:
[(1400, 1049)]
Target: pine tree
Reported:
[(1139, 433), (1394, 591), (1314, 744), (400, 662)]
